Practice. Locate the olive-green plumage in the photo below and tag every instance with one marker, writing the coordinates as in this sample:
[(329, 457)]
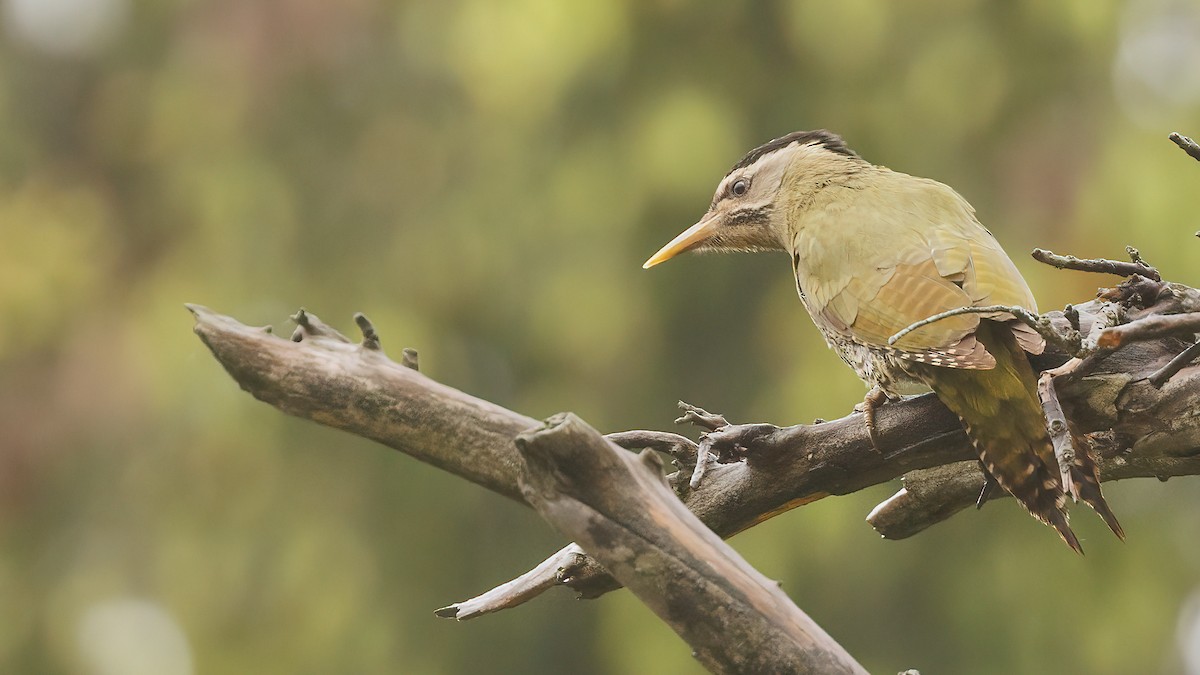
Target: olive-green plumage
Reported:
[(874, 251)]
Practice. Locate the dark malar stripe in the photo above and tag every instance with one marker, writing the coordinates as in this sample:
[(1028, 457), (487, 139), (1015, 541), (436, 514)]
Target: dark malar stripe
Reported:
[(759, 215)]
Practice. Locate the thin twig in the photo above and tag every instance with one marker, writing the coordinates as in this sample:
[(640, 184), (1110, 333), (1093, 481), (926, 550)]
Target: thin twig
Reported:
[(1100, 265), (1021, 313), (1160, 376), (1189, 146), (1068, 344)]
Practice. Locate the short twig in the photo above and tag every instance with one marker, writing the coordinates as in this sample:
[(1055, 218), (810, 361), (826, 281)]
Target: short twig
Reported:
[(722, 442), (1135, 256), (410, 359), (309, 325), (700, 417), (1117, 267), (370, 337), (1188, 145), (1160, 376), (1072, 316)]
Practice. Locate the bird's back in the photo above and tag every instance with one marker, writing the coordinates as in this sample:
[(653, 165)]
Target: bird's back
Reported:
[(879, 252)]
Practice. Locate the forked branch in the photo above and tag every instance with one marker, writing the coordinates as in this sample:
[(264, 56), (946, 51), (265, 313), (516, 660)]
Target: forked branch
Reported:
[(617, 506)]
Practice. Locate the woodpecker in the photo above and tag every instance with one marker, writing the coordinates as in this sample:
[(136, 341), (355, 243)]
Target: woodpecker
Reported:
[(875, 251)]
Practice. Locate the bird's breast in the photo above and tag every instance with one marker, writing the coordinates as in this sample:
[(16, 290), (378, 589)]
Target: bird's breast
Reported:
[(877, 367)]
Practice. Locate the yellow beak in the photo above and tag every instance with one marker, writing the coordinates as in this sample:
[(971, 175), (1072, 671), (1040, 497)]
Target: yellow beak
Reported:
[(686, 239)]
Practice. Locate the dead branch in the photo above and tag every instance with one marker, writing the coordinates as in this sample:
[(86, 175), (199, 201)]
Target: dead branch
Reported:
[(1122, 269), (617, 505), (1146, 430)]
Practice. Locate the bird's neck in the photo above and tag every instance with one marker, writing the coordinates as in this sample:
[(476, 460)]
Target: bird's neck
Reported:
[(809, 187)]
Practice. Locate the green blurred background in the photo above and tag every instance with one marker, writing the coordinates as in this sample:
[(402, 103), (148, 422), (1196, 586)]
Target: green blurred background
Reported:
[(484, 180)]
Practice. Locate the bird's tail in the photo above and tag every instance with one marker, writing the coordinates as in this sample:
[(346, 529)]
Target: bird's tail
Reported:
[(1085, 484), (1003, 417)]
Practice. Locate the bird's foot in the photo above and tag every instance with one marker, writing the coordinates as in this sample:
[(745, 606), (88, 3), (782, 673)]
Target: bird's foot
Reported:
[(870, 403), (723, 442)]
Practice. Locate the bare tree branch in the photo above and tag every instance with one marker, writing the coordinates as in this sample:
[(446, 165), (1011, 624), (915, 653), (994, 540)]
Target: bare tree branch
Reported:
[(617, 505), (771, 470)]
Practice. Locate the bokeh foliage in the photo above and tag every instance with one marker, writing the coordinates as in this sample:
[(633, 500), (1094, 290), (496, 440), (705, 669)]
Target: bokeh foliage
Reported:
[(483, 179)]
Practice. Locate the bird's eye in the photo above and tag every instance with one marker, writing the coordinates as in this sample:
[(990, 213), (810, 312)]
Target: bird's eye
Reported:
[(739, 187)]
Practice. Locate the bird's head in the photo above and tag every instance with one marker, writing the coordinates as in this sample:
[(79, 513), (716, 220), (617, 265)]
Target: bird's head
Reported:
[(749, 212)]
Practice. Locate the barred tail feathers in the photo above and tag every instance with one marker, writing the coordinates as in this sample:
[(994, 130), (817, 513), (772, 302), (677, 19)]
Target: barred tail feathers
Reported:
[(1003, 418), (1085, 476)]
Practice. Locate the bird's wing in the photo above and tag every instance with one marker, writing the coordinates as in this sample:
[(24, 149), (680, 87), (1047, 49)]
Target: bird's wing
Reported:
[(880, 260)]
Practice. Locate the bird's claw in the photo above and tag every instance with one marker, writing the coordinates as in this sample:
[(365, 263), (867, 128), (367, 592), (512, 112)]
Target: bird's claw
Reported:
[(870, 403)]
